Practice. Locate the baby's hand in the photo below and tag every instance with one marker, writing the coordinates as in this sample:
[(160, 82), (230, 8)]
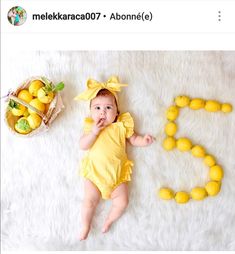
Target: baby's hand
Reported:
[(98, 126), (147, 140)]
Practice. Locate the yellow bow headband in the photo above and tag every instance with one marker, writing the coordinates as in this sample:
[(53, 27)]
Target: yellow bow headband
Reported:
[(93, 87)]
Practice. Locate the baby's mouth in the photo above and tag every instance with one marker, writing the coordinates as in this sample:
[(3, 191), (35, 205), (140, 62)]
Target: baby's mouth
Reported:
[(102, 119)]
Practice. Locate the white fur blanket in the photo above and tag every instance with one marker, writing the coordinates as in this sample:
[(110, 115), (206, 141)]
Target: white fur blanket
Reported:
[(42, 191)]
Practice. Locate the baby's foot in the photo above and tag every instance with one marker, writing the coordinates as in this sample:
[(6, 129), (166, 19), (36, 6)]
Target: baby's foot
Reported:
[(106, 226), (84, 233)]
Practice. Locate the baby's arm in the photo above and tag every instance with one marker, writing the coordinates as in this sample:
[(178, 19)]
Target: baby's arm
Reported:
[(137, 140), (87, 140)]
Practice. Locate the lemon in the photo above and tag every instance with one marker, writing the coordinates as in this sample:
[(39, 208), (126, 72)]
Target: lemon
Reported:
[(216, 173), (25, 95), (166, 193), (198, 151), (18, 110), (169, 143), (198, 193), (183, 144), (182, 197), (22, 126), (172, 113), (45, 96), (34, 86), (26, 113), (197, 104), (212, 106), (171, 128), (34, 120), (182, 101), (226, 108), (212, 188), (36, 103), (209, 160)]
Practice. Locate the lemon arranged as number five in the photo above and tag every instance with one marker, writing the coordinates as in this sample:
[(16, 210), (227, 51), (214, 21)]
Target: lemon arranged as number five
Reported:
[(183, 144)]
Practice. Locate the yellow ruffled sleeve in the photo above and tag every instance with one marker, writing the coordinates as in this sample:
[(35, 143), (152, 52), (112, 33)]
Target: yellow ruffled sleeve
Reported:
[(88, 123), (128, 123)]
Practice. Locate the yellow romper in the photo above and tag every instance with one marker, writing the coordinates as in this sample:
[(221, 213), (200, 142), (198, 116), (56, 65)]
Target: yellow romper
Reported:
[(106, 163)]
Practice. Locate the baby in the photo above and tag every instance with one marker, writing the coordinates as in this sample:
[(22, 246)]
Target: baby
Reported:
[(106, 168)]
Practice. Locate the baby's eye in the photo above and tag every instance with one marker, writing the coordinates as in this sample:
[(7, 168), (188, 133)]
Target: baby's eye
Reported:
[(97, 107), (109, 107)]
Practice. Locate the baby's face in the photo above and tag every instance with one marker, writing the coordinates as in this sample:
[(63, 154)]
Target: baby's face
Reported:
[(104, 107)]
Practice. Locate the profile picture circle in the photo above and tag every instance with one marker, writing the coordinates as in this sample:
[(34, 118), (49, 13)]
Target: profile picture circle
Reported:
[(17, 16)]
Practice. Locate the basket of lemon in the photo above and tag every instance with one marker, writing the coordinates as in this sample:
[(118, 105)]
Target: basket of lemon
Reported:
[(33, 106)]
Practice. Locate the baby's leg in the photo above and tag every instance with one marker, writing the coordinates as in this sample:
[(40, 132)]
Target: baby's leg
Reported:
[(120, 201), (91, 200)]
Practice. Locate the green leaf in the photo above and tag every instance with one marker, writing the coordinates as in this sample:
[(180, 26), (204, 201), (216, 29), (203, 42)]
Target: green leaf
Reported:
[(12, 104), (59, 87)]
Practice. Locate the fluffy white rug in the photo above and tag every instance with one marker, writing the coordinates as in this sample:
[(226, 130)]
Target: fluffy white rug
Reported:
[(42, 192)]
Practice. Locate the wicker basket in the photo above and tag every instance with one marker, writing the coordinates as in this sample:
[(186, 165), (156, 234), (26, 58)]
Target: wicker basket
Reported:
[(54, 109)]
